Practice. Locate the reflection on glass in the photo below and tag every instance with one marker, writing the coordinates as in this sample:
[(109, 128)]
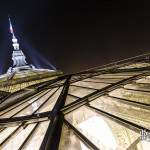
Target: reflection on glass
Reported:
[(135, 86), (138, 96), (143, 145), (48, 106), (79, 91), (19, 137), (6, 133), (98, 80), (70, 99), (112, 76), (90, 84), (20, 107), (143, 80), (136, 65), (69, 141), (23, 101), (35, 140), (128, 112), (33, 106), (103, 132)]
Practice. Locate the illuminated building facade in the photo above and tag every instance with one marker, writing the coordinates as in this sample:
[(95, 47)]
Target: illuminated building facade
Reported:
[(105, 108)]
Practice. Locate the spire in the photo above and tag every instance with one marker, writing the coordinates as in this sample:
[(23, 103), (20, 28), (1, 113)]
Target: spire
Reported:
[(14, 39), (18, 57), (10, 27)]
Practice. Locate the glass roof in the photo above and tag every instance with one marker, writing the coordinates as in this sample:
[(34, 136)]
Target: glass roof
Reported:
[(104, 108)]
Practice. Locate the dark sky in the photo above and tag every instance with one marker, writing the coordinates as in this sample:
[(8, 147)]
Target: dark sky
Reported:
[(76, 35)]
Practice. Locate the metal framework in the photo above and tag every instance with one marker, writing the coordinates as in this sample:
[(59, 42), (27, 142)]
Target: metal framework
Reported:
[(60, 113)]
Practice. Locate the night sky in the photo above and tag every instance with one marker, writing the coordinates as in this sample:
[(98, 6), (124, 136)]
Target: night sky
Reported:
[(75, 35)]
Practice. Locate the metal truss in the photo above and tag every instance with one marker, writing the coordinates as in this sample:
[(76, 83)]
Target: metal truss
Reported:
[(57, 114)]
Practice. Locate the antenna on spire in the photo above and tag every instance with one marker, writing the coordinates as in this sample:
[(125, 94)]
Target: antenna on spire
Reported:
[(14, 39), (10, 27)]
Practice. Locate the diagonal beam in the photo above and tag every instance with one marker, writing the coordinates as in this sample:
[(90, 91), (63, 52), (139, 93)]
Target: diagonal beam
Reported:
[(53, 133), (5, 122)]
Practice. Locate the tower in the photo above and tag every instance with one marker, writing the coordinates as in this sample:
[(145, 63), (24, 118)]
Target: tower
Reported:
[(18, 57)]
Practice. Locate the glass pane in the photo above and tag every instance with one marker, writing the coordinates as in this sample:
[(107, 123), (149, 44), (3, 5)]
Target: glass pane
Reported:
[(6, 133), (103, 132), (69, 141), (124, 74), (143, 145), (48, 106), (91, 84), (14, 98), (128, 112), (58, 83), (143, 80), (18, 138), (70, 99), (35, 105), (136, 65), (143, 97), (79, 91), (135, 86), (34, 142), (20, 103), (20, 107), (76, 77), (112, 76), (98, 80)]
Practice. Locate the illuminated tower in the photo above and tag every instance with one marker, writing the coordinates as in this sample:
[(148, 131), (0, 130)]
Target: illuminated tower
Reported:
[(18, 57)]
